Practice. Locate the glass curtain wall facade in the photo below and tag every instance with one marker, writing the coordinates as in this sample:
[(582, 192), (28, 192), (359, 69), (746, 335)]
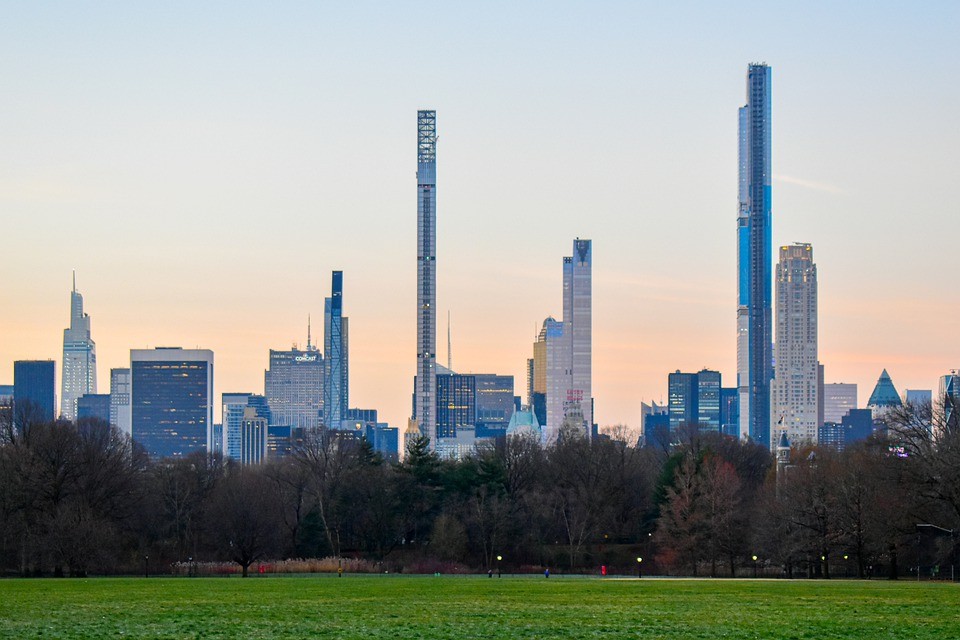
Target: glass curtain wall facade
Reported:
[(336, 369), (426, 379), (754, 259), (34, 391), (456, 404), (172, 400), (79, 358)]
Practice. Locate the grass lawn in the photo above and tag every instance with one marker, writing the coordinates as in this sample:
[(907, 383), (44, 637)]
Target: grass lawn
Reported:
[(474, 607)]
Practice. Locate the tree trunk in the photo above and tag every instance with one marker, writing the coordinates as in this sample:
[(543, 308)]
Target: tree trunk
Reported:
[(245, 566)]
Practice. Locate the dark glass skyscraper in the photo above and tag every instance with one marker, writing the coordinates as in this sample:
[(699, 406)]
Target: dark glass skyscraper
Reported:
[(336, 369), (755, 259), (34, 394), (172, 400)]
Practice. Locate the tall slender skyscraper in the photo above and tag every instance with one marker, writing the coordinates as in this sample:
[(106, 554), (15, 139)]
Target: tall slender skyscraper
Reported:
[(336, 369), (426, 380), (569, 349), (796, 388), (79, 357), (754, 260)]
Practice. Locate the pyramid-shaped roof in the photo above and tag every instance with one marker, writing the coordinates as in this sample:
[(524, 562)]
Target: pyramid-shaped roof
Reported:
[(884, 394)]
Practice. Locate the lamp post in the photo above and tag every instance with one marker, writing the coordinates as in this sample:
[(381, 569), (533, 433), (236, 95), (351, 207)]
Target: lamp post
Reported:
[(952, 533), (754, 565), (846, 566), (499, 558), (639, 570), (146, 566)]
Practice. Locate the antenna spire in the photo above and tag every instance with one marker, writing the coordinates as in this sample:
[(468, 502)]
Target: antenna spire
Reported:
[(309, 344), (74, 280)]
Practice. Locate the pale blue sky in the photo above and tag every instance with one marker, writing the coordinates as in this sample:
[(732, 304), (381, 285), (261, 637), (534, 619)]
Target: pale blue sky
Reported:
[(204, 168)]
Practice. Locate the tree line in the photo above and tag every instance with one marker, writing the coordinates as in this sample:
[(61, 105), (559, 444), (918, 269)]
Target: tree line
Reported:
[(82, 498)]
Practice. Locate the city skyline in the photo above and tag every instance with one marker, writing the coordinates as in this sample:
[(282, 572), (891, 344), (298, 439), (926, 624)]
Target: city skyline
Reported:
[(878, 222)]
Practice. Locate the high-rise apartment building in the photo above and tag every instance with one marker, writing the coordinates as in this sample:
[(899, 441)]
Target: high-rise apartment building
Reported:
[(795, 406), (120, 399), (336, 378), (838, 399), (754, 259), (569, 347), (426, 379), (79, 370), (171, 405), (34, 391)]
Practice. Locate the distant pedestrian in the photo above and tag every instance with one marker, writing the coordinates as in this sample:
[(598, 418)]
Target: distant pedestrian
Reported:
[(546, 574), (339, 572), (489, 573)]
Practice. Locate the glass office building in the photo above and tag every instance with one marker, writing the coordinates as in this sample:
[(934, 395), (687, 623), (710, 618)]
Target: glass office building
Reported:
[(293, 386), (34, 391), (172, 400), (79, 358), (755, 259)]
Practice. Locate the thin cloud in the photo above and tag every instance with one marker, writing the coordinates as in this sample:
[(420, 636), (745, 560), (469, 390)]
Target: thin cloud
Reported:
[(808, 184)]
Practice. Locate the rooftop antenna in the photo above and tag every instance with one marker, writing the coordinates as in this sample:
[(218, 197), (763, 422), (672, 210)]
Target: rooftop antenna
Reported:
[(74, 280), (309, 344), (449, 356)]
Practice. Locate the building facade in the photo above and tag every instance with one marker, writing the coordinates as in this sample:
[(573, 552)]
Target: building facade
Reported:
[(120, 399), (233, 407), (171, 403), (426, 380), (569, 346), (79, 368), (94, 406), (495, 404), (336, 387), (293, 385), (795, 405), (754, 259), (838, 399), (34, 391)]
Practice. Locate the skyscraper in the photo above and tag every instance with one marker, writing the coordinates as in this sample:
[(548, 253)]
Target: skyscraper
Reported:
[(232, 416), (838, 399), (79, 357), (120, 399), (795, 406), (335, 346), (754, 259), (171, 393), (34, 392), (569, 349), (693, 400), (884, 396), (426, 379), (293, 385)]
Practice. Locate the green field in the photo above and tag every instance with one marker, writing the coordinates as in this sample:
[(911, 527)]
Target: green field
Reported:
[(474, 607)]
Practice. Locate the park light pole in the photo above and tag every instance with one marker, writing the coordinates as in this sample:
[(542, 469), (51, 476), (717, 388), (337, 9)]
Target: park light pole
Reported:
[(499, 558), (846, 566), (953, 545), (146, 566), (639, 570), (754, 565)]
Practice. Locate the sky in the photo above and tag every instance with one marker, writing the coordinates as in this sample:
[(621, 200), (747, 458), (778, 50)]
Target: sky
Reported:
[(205, 166)]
